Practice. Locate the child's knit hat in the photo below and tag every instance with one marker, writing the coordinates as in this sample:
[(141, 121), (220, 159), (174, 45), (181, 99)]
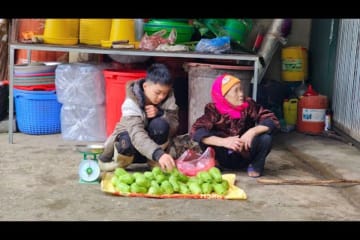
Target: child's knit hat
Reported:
[(227, 82)]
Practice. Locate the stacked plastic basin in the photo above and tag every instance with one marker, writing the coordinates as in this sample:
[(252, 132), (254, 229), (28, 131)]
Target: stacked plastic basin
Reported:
[(36, 105), (35, 76), (80, 88)]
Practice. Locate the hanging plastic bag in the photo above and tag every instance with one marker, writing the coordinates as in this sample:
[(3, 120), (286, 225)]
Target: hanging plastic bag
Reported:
[(153, 41), (215, 45), (191, 162)]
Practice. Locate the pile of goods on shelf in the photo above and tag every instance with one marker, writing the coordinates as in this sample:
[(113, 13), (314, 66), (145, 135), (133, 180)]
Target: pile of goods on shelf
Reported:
[(151, 34)]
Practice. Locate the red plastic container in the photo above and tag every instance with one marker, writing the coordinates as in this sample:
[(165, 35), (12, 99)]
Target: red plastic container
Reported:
[(311, 114), (115, 83)]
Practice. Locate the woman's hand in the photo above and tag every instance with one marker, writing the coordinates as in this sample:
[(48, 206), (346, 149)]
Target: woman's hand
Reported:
[(166, 162), (233, 143), (151, 111), (247, 138)]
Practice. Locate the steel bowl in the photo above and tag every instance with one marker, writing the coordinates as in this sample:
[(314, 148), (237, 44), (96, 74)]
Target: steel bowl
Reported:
[(91, 148)]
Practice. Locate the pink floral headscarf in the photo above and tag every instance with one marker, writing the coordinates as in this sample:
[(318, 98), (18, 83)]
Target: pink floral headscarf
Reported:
[(221, 104)]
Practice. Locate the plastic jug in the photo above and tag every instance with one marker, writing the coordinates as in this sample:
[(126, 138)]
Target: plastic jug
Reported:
[(290, 111)]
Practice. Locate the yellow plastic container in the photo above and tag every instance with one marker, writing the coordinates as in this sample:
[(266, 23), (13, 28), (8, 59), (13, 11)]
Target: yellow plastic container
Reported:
[(61, 31), (92, 31), (290, 111), (294, 64), (122, 29)]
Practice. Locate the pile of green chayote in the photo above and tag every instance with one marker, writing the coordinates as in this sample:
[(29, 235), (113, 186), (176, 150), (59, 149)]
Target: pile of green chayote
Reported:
[(157, 182)]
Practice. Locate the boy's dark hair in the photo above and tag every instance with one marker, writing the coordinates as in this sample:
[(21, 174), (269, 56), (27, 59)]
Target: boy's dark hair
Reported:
[(159, 73)]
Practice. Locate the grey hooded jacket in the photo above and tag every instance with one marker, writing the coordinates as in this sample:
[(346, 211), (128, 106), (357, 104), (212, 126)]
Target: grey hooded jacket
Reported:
[(134, 120)]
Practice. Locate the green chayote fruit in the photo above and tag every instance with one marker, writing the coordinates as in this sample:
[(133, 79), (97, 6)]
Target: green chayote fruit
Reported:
[(215, 174), (167, 187), (183, 178), (114, 180), (149, 175), (120, 171), (219, 189), (135, 188), (154, 183), (198, 180), (175, 172), (155, 190), (160, 178), (192, 179), (184, 189), (122, 187), (174, 183), (142, 181), (225, 184), (137, 174), (206, 188), (126, 178), (194, 187), (156, 171), (204, 176)]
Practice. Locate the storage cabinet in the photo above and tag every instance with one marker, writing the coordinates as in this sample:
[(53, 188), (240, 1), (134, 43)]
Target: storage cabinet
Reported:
[(254, 59)]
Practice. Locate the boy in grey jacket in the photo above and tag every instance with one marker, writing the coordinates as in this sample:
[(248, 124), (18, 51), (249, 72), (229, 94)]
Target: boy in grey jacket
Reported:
[(149, 118)]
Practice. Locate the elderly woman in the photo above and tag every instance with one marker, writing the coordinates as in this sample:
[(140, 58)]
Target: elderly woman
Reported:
[(236, 126)]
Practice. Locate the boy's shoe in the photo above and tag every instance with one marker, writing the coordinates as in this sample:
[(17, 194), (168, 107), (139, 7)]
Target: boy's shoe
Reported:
[(122, 160), (118, 160), (108, 166)]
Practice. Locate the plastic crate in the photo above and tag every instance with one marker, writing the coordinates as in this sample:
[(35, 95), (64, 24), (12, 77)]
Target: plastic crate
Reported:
[(37, 112)]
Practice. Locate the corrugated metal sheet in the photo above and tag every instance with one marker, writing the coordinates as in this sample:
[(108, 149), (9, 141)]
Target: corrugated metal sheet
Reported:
[(346, 97)]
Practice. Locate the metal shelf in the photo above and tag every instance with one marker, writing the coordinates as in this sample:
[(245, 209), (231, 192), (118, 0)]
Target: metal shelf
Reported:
[(128, 52)]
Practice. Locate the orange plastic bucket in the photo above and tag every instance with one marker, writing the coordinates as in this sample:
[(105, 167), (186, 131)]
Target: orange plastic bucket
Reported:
[(115, 87), (36, 25), (311, 114)]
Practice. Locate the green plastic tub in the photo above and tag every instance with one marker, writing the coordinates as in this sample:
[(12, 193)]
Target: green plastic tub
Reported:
[(184, 30)]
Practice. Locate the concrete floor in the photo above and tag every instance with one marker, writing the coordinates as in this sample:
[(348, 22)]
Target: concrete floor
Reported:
[(39, 181)]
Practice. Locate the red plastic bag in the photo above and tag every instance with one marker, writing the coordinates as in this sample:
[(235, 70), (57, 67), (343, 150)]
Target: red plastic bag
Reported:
[(191, 162), (152, 42)]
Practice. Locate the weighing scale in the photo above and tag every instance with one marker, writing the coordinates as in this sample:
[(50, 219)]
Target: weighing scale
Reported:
[(89, 170)]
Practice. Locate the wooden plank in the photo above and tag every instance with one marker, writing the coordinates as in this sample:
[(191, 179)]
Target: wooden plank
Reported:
[(306, 182)]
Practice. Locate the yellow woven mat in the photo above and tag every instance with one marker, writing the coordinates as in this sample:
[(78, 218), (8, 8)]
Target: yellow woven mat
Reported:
[(234, 193)]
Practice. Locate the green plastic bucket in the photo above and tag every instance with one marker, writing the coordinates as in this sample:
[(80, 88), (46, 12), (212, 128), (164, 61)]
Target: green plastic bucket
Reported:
[(238, 29)]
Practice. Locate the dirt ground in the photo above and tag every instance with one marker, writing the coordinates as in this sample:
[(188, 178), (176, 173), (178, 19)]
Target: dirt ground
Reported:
[(39, 181)]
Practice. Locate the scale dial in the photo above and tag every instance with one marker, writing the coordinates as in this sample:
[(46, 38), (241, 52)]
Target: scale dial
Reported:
[(89, 170)]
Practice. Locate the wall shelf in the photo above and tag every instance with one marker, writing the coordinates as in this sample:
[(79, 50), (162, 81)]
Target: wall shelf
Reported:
[(129, 52)]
